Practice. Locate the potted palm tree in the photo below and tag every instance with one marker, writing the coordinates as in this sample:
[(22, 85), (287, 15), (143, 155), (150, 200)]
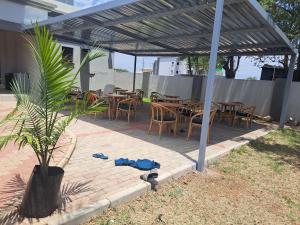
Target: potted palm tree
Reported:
[(37, 120)]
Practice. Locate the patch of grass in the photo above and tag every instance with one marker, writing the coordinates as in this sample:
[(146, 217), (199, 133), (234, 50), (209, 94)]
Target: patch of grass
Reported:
[(175, 192), (276, 166), (255, 184), (146, 100), (291, 203)]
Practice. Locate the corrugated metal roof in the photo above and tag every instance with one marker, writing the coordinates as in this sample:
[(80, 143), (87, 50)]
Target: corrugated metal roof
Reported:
[(172, 27)]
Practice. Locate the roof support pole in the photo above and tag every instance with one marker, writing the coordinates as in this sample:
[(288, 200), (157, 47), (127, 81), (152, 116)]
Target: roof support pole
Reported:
[(210, 84), (286, 93), (134, 73)]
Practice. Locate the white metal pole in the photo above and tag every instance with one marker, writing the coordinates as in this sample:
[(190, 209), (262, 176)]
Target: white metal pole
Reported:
[(134, 74), (286, 93), (210, 83)]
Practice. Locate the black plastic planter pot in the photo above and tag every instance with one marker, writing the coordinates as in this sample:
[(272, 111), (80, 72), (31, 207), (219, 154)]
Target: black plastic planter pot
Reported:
[(42, 194)]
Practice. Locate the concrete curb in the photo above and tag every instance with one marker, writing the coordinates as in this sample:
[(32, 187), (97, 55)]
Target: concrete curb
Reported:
[(80, 216), (64, 161), (85, 214)]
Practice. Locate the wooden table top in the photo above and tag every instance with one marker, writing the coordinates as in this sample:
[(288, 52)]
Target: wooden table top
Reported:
[(171, 99), (230, 103), (128, 93), (171, 96), (116, 96), (170, 105), (120, 90)]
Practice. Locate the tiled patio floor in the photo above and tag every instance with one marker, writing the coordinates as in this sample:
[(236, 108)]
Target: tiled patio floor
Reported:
[(98, 179)]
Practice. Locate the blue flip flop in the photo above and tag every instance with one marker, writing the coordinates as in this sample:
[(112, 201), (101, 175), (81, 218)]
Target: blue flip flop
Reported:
[(100, 156)]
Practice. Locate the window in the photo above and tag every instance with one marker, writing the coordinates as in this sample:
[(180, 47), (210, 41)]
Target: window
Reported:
[(177, 63), (67, 54), (176, 71)]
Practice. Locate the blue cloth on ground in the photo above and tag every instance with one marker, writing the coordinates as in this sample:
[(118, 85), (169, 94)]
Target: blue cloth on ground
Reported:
[(141, 164), (100, 155)]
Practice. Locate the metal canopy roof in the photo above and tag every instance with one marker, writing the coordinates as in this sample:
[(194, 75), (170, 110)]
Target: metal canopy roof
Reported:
[(172, 27)]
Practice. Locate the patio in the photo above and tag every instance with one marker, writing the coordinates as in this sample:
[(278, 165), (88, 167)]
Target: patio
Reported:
[(98, 184), (92, 185)]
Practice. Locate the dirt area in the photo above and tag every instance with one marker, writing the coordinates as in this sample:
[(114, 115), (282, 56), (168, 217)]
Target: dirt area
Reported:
[(256, 184)]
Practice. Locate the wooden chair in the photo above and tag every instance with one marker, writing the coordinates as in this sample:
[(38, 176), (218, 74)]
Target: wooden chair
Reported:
[(196, 121), (189, 109), (140, 94), (91, 97), (163, 116), (228, 112), (156, 97), (128, 106), (245, 113)]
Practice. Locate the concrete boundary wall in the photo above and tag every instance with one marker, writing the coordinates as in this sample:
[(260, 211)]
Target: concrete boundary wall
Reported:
[(251, 92), (177, 85), (294, 102), (261, 94)]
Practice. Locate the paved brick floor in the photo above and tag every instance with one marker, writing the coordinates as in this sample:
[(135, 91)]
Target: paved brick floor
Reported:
[(96, 179)]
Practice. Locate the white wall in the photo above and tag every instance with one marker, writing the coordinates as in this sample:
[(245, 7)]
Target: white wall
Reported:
[(15, 55), (294, 102), (251, 92), (19, 13)]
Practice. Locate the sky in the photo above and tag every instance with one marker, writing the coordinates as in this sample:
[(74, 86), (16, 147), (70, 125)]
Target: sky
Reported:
[(122, 61)]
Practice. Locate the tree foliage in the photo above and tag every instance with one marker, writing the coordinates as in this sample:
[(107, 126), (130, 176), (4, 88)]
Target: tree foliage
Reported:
[(286, 14), (199, 64)]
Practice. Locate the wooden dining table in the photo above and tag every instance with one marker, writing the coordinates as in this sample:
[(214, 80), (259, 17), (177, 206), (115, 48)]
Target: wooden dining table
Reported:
[(229, 105), (171, 96), (114, 99), (128, 93), (118, 91), (228, 110), (171, 105), (171, 100)]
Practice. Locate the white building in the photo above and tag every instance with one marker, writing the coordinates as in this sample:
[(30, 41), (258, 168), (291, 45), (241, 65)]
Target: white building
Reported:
[(15, 56), (170, 66)]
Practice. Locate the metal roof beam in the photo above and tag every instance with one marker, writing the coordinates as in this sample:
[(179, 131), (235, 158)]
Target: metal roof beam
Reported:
[(232, 53), (146, 16), (191, 36), (84, 44), (137, 37), (221, 48)]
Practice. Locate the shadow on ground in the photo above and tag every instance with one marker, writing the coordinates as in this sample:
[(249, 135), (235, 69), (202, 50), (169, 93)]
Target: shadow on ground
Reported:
[(138, 129), (11, 198), (284, 153)]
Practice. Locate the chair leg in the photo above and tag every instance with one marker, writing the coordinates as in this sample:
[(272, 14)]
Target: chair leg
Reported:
[(109, 113), (128, 116), (175, 128), (117, 114), (160, 129), (208, 136), (150, 126), (189, 132)]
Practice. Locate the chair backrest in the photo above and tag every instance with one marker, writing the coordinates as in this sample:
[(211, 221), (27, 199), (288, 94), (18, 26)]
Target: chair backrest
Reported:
[(249, 110), (158, 111), (215, 105), (140, 93), (155, 96), (91, 96), (212, 116), (108, 89), (99, 92)]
